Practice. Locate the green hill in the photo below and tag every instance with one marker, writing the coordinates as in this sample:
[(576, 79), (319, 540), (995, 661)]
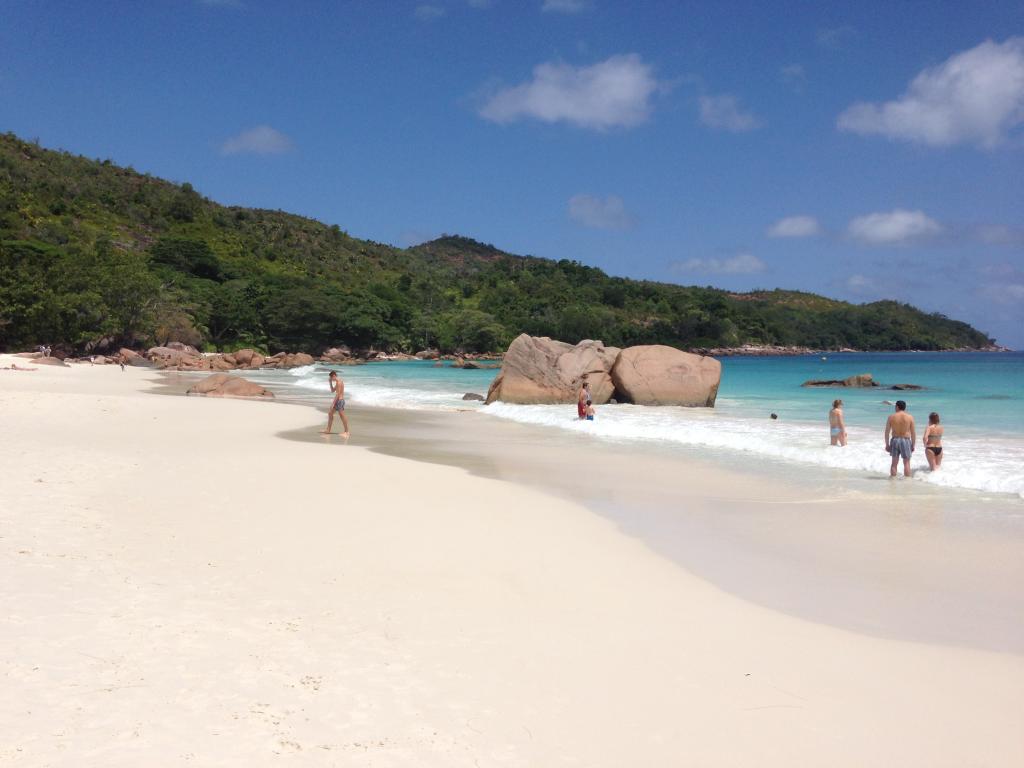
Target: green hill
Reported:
[(90, 251)]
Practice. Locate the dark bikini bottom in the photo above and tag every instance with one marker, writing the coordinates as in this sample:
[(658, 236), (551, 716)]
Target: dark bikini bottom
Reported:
[(936, 449)]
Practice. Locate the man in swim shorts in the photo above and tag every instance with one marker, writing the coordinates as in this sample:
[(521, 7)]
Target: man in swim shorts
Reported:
[(900, 437), (338, 404)]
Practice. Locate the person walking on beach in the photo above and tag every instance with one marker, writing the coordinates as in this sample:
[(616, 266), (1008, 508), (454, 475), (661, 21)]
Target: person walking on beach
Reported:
[(900, 437), (836, 424), (581, 399), (338, 404), (933, 441)]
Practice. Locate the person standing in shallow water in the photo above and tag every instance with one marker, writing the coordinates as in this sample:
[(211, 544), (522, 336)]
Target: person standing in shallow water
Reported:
[(836, 423), (581, 399), (338, 404), (900, 437), (933, 441)]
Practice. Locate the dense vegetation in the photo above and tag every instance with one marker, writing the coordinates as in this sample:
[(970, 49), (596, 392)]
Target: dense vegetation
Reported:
[(91, 251)]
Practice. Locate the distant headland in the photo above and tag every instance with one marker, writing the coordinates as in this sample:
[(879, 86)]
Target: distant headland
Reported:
[(95, 256)]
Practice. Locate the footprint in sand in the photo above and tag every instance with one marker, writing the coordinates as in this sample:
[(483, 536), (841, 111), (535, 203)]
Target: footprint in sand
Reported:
[(311, 682)]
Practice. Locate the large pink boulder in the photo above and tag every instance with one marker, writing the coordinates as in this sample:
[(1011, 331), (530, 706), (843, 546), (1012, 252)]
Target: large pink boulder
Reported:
[(660, 375), (130, 357), (169, 357), (542, 370), (296, 360), (188, 349), (248, 358), (336, 354), (222, 385)]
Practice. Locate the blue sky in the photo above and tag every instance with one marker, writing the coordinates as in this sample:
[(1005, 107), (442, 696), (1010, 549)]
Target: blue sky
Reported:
[(862, 151)]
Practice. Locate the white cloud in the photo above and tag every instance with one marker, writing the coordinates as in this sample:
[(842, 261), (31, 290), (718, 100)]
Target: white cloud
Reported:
[(861, 285), (976, 96), (795, 226), (1004, 293), (1000, 234), (896, 227), (794, 76), (261, 140), (833, 38), (724, 112), (1003, 284), (609, 213), (740, 264), (427, 12), (610, 94), (564, 6)]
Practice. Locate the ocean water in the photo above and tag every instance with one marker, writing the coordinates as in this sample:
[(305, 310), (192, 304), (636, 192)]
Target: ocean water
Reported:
[(980, 397)]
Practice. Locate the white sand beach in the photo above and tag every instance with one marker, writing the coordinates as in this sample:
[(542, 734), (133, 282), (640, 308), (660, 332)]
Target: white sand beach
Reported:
[(182, 586)]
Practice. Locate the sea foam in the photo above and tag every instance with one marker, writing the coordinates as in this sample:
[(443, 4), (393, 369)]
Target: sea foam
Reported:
[(982, 461), (988, 464)]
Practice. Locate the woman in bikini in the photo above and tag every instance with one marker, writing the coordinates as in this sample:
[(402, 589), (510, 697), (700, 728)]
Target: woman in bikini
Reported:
[(836, 423), (933, 441)]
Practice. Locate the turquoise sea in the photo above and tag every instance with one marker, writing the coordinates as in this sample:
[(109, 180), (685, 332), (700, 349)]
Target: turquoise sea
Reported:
[(980, 397)]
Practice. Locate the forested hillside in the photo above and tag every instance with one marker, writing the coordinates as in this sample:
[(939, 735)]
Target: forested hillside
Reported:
[(90, 250)]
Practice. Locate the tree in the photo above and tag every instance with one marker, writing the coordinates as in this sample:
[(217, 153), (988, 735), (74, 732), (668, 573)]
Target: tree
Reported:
[(472, 330), (186, 205), (187, 255), (128, 289)]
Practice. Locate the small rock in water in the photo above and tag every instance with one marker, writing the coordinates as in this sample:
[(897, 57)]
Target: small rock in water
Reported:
[(473, 396)]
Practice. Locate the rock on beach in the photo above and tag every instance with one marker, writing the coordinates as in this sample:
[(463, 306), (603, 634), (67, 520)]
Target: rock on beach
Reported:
[(542, 370), (222, 385), (539, 370), (861, 380), (660, 375)]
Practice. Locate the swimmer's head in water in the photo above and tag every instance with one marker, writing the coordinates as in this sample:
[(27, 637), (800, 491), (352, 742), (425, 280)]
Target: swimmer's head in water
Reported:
[(933, 418), (901, 405)]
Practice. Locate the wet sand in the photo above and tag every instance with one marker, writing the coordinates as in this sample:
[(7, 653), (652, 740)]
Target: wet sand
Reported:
[(906, 562)]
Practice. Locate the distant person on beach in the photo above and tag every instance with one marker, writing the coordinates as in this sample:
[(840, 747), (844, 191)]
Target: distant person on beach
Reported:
[(933, 441), (589, 412), (338, 404), (836, 424), (900, 437), (581, 399)]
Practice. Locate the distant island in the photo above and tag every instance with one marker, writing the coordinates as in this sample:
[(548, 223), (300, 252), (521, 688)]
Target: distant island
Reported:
[(93, 255)]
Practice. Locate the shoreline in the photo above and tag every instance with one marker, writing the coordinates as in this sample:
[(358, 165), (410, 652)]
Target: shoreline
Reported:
[(797, 351), (817, 551), (186, 588)]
